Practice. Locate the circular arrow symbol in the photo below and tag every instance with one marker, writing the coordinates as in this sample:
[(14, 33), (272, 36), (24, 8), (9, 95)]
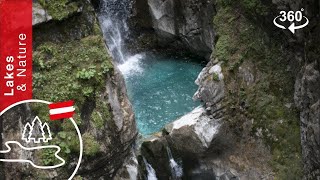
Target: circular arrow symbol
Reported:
[(278, 25), (293, 28)]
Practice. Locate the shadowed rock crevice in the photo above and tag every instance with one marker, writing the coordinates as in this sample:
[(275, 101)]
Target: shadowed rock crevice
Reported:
[(181, 25)]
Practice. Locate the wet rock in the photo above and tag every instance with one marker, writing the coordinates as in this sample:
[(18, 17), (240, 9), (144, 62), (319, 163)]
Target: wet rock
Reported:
[(153, 149), (129, 170), (193, 132)]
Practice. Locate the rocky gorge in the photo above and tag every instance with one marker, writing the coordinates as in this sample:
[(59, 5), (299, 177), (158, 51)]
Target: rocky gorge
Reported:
[(251, 82), (259, 116)]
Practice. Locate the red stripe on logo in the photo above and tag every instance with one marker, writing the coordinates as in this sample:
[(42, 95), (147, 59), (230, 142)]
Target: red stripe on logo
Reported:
[(61, 104), (62, 116)]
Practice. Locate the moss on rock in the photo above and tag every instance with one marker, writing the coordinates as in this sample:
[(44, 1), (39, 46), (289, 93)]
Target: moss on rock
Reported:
[(60, 9), (91, 146), (102, 115), (76, 70), (265, 102), (71, 62)]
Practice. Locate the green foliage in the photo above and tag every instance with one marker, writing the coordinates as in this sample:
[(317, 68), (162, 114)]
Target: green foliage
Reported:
[(215, 77), (252, 7), (85, 74), (87, 91), (67, 141), (62, 72), (280, 130), (102, 115), (60, 9), (91, 146), (48, 157), (70, 61), (223, 48), (74, 70), (224, 3), (97, 119)]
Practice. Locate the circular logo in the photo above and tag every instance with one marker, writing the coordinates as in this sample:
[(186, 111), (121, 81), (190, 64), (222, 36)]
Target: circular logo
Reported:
[(37, 142)]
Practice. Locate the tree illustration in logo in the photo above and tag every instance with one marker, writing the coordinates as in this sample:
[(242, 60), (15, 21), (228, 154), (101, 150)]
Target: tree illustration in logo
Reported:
[(25, 134), (36, 133), (47, 134)]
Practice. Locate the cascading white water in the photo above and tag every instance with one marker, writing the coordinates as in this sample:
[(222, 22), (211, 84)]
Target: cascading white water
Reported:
[(151, 172), (113, 15), (176, 169), (132, 65)]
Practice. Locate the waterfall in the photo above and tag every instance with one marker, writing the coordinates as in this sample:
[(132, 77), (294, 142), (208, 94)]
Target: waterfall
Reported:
[(176, 169), (113, 15), (132, 65), (151, 172)]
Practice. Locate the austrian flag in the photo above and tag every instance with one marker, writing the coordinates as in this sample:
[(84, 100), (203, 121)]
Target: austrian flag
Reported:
[(61, 110)]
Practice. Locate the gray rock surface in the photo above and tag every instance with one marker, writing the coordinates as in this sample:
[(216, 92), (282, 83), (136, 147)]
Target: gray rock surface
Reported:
[(194, 132), (154, 150), (129, 170), (307, 91), (307, 98), (211, 84), (39, 14), (180, 23)]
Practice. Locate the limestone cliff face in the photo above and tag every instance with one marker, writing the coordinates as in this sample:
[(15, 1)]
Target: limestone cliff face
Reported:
[(183, 24), (71, 61)]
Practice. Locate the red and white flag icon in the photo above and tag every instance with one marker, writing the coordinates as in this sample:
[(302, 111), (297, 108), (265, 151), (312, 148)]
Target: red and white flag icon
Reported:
[(61, 110)]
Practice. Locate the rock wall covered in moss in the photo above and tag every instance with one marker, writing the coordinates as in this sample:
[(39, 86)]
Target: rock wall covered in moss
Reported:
[(259, 81), (71, 62), (267, 74)]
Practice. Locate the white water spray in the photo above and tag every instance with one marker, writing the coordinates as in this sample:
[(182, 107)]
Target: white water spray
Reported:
[(132, 65), (113, 15), (151, 172), (176, 169)]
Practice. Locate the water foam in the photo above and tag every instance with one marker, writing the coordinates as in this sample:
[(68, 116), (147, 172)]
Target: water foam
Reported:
[(176, 169), (132, 65), (151, 172)]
